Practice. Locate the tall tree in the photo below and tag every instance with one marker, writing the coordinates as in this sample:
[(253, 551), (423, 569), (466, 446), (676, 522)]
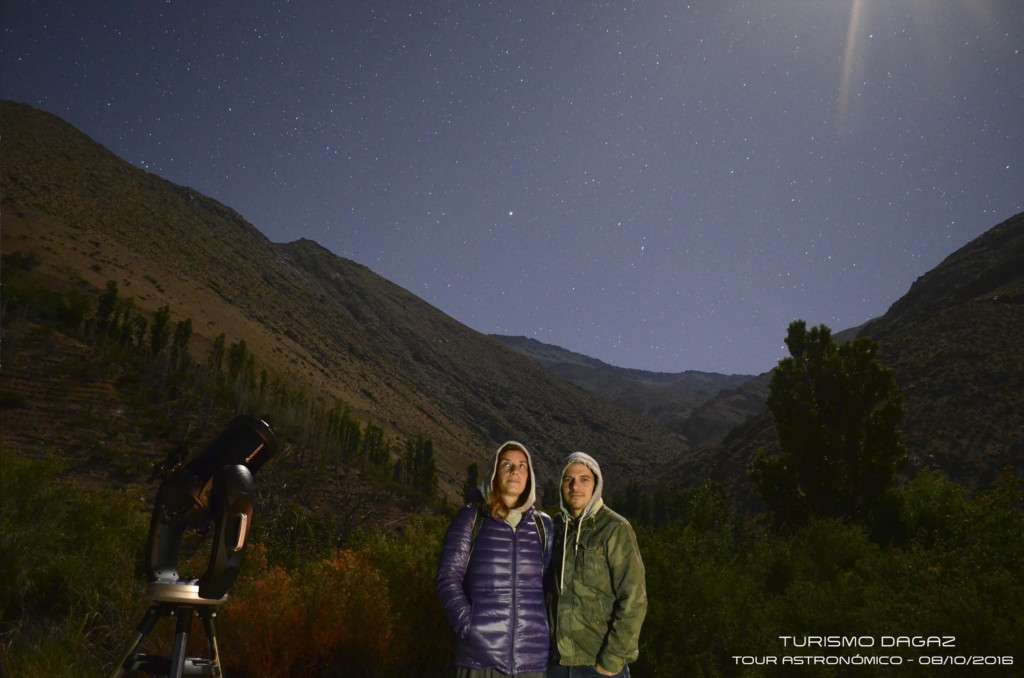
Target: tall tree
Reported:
[(349, 437), (424, 467), (216, 357), (105, 307), (472, 478), (837, 410), (138, 335), (373, 447), (237, 354), (160, 331), (179, 347)]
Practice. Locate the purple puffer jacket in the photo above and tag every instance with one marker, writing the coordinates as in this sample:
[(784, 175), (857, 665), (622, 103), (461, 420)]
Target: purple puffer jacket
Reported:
[(494, 597)]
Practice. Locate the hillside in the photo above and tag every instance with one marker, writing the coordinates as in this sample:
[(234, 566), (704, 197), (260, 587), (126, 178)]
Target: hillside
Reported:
[(954, 344), (350, 334), (954, 341), (702, 406)]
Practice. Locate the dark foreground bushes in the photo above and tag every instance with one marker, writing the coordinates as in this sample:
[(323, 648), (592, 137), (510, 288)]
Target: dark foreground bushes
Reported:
[(365, 611), (71, 578), (950, 566), (68, 571), (934, 562)]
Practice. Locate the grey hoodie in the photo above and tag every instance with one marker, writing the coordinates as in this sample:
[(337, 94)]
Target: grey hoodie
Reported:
[(592, 507), (596, 502), (515, 514)]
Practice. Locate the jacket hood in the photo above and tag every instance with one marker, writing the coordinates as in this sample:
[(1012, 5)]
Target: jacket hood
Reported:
[(596, 502), (531, 486)]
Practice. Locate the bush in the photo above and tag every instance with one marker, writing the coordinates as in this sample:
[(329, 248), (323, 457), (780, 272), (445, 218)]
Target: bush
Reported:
[(703, 602), (719, 588), (328, 618), (422, 643), (69, 563)]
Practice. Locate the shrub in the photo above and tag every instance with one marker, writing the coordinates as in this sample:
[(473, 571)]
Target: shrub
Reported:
[(69, 563), (330, 617), (422, 643)]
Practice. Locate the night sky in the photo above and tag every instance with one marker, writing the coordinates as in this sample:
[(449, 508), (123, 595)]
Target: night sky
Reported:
[(662, 185)]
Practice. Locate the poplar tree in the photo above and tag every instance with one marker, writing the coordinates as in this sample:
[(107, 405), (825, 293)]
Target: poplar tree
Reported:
[(472, 478), (216, 357), (837, 410), (105, 307), (179, 346), (160, 330)]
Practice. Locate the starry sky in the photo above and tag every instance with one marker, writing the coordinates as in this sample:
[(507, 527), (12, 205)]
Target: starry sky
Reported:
[(659, 184)]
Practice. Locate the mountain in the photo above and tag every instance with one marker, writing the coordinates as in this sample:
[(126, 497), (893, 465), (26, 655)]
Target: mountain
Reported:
[(702, 406), (954, 344), (332, 323)]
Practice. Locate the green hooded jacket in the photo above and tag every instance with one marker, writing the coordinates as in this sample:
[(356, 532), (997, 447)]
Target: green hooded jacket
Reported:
[(600, 590)]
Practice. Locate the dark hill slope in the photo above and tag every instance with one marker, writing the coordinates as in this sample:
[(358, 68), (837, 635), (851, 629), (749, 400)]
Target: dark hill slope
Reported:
[(396, 360), (955, 344), (703, 406)]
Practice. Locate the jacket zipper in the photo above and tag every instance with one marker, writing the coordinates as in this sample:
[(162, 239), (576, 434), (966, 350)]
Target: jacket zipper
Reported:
[(575, 570), (515, 600)]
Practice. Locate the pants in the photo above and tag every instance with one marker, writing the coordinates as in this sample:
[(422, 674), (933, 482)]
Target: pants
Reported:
[(558, 671)]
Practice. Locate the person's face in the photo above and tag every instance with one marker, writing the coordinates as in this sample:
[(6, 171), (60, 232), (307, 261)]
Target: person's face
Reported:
[(513, 473), (577, 487)]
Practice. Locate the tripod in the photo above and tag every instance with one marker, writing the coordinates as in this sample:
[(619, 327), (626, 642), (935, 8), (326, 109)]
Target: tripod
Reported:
[(216, 487), (181, 601)]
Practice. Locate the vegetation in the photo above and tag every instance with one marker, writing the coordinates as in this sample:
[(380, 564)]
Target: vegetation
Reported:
[(837, 411), (72, 566), (719, 585), (320, 597), (725, 587), (153, 354), (70, 572)]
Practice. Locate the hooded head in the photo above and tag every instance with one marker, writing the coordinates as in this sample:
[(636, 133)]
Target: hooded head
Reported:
[(595, 502), (517, 481)]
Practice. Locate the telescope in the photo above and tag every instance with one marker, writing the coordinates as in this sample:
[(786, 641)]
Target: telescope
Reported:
[(216, 488)]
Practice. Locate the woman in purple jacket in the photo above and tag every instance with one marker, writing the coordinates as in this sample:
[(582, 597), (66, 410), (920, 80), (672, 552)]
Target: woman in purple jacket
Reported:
[(491, 577)]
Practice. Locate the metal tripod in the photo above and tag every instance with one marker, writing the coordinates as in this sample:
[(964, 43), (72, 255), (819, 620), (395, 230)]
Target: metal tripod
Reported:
[(177, 664)]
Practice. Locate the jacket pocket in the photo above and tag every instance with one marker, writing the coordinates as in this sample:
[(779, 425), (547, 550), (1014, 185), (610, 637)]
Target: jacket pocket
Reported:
[(592, 569)]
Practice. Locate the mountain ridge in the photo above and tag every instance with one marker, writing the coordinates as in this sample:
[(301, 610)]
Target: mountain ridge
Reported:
[(333, 323), (702, 406), (559, 354)]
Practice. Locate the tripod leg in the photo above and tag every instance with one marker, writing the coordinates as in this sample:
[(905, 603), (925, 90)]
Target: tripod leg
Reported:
[(145, 626), (211, 636), (181, 632)]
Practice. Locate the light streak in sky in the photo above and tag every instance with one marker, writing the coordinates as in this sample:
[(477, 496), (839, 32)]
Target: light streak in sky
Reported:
[(849, 61)]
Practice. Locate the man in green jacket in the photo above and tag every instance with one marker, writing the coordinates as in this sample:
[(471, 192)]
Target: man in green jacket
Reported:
[(600, 595)]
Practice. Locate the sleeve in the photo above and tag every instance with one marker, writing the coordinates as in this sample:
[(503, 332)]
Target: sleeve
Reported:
[(630, 606), (451, 571), (549, 538), (550, 587)]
